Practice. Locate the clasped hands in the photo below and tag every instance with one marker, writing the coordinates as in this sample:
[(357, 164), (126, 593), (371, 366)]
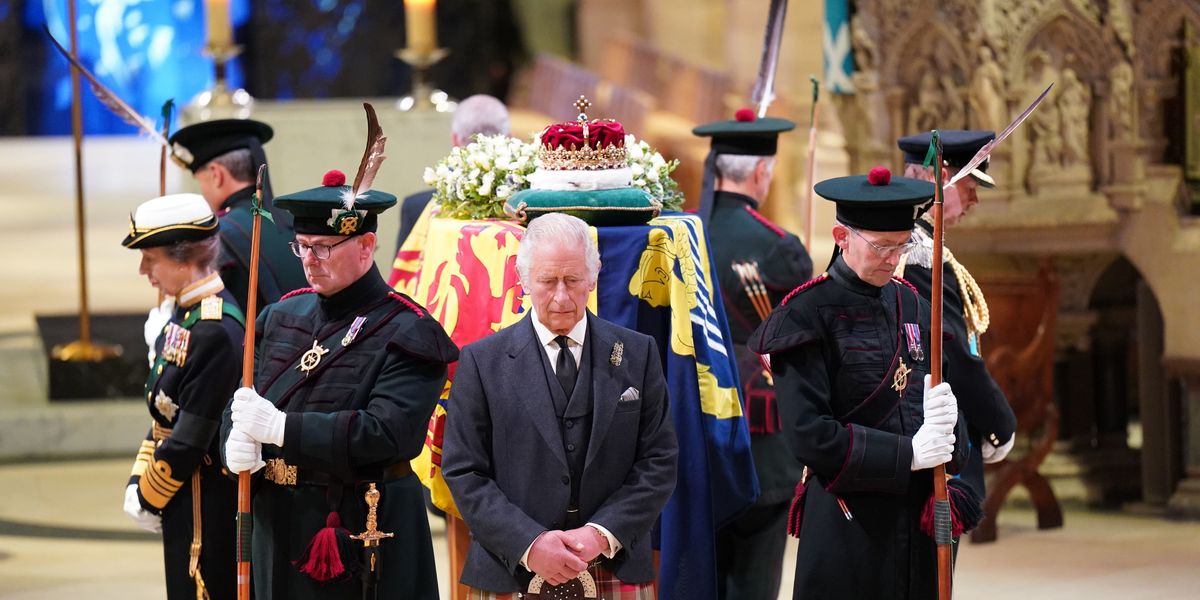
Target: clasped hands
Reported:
[(559, 556), (256, 421)]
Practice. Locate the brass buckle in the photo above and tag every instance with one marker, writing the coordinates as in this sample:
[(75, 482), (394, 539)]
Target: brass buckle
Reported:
[(279, 472)]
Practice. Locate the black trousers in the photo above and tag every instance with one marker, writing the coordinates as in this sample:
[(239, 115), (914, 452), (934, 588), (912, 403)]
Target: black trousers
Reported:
[(750, 553)]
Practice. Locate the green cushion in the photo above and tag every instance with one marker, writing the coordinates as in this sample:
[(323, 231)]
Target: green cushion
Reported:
[(621, 206)]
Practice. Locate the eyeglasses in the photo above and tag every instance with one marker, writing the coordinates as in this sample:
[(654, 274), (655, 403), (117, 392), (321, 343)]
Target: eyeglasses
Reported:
[(886, 251), (321, 251)]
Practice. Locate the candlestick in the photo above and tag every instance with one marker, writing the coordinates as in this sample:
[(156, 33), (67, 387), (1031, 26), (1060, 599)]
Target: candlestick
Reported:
[(219, 25), (423, 96), (219, 102)]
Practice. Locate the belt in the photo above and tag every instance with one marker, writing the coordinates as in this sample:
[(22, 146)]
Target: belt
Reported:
[(280, 473)]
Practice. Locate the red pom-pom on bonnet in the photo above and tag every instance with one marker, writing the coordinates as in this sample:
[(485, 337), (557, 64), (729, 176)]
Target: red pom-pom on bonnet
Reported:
[(744, 115), (333, 178), (879, 176)]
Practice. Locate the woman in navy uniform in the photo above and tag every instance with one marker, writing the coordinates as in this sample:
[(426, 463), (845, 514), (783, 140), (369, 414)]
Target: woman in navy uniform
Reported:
[(849, 352), (347, 374), (178, 486)]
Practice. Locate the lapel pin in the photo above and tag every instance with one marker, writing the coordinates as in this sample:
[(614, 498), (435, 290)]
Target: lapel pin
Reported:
[(618, 352)]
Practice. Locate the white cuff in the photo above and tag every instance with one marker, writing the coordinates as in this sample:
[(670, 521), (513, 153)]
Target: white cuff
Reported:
[(525, 556), (613, 545)]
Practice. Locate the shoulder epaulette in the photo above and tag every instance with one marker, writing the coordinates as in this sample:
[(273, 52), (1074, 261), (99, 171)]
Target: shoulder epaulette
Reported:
[(804, 286), (765, 222), (402, 299), (298, 292)]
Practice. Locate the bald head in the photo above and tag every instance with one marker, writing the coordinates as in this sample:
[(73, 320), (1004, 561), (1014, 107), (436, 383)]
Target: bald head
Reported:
[(478, 114)]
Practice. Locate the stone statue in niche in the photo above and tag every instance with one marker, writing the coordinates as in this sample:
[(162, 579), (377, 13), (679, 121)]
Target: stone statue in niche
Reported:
[(928, 111), (955, 113), (1074, 104), (863, 45), (1120, 101), (987, 93)]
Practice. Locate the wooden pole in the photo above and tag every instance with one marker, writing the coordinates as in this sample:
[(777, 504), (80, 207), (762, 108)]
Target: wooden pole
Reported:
[(940, 493), (244, 523), (809, 209)]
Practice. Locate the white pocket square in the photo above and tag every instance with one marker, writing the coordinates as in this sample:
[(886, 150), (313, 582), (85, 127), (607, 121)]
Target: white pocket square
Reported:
[(629, 395)]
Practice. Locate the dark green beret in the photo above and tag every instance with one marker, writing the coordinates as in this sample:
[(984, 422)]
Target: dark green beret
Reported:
[(745, 134), (877, 201), (322, 210), (207, 140)]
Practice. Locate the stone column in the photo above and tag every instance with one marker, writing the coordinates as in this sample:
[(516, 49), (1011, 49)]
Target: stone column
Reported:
[(1159, 412), (1185, 502)]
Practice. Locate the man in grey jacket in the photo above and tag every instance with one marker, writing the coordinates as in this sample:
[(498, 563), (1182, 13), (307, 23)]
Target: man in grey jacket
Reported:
[(559, 449)]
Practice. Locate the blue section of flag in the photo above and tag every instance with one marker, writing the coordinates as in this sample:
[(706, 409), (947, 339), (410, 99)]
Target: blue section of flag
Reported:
[(716, 479), (839, 55)]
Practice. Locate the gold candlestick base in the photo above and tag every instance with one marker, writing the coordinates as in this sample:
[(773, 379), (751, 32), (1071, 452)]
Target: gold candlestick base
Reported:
[(219, 102), (81, 351), (423, 96)]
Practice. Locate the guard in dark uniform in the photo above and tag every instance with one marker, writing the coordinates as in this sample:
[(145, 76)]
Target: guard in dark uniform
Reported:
[(178, 485), (348, 372), (991, 424), (224, 158), (849, 351), (757, 265)]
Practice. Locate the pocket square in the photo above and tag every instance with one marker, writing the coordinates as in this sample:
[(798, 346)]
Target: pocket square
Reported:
[(629, 395)]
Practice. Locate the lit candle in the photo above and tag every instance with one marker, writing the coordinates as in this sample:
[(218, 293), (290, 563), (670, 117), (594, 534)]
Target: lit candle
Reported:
[(420, 19), (220, 28)]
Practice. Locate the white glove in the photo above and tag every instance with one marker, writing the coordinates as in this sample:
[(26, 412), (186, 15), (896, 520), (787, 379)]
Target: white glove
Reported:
[(934, 442), (243, 453), (158, 318), (940, 406), (144, 518), (995, 454), (257, 417), (932, 446)]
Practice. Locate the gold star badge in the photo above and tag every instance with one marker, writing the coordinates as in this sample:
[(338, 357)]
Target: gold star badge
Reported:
[(165, 405)]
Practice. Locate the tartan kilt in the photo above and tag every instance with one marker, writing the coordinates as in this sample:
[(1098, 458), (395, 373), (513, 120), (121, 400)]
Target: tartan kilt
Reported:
[(607, 587)]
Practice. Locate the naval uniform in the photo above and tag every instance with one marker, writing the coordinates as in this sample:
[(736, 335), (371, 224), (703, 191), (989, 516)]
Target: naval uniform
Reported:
[(279, 271), (836, 345), (750, 549), (375, 363), (197, 367)]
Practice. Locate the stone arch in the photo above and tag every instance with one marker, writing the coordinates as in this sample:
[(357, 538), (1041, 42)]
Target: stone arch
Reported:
[(933, 54), (1158, 32)]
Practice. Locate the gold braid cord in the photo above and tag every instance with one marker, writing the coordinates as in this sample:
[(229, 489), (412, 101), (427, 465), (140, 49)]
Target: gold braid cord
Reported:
[(197, 535), (975, 308)]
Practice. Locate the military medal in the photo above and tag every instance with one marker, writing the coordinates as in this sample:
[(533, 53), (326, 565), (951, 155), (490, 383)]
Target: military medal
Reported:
[(913, 332), (312, 357), (900, 379), (175, 344), (352, 333)]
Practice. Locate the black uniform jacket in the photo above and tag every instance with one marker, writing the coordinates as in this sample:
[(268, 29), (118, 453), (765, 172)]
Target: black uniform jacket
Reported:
[(835, 347), (358, 416), (738, 233), (279, 271), (186, 391), (981, 402)]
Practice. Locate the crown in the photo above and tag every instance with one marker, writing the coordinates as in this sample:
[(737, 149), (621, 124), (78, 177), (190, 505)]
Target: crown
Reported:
[(582, 144)]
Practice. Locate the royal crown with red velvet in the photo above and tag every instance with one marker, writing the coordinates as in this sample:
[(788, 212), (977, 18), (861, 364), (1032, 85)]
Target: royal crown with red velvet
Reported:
[(583, 144)]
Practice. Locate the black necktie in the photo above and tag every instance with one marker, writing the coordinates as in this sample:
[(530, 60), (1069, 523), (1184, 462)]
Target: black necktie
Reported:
[(565, 367)]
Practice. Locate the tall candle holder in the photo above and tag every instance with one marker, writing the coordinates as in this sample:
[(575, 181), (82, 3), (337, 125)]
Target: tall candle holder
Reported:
[(219, 102), (423, 96)]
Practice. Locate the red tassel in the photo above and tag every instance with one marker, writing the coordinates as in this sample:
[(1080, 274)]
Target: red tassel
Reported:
[(965, 510), (322, 560), (796, 512)]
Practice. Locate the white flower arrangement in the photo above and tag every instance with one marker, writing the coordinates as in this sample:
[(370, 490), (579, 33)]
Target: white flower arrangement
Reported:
[(474, 181)]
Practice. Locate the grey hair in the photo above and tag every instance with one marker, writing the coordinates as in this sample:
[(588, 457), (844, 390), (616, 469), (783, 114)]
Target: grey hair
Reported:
[(479, 114), (239, 163), (202, 253), (557, 229), (738, 167)]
